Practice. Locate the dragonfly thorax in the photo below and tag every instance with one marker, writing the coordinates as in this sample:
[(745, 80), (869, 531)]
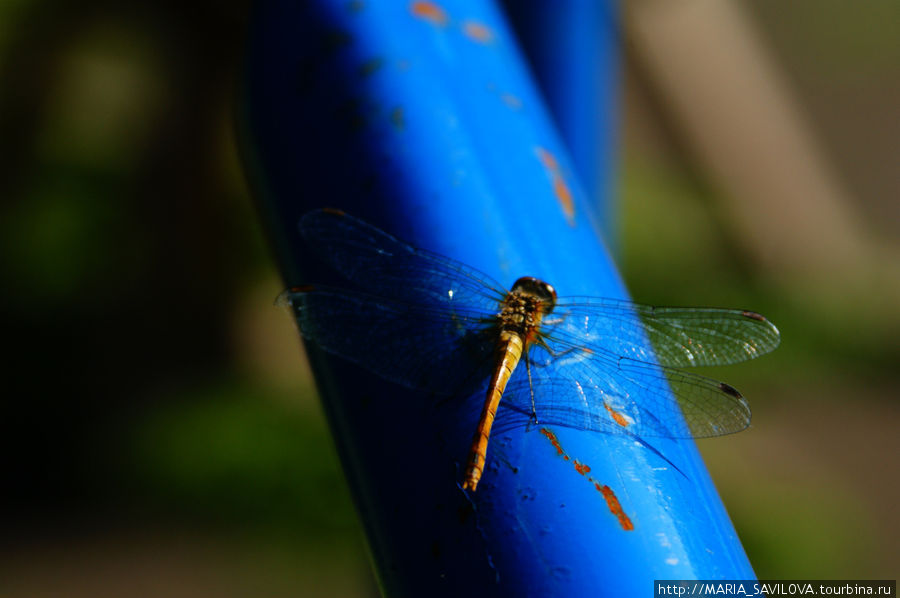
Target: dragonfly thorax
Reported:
[(525, 305)]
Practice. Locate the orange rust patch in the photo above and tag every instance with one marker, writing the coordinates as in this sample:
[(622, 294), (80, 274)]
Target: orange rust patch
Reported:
[(565, 198), (478, 32), (612, 502), (618, 417), (547, 160), (429, 11), (553, 440), (560, 189), (614, 506), (512, 101)]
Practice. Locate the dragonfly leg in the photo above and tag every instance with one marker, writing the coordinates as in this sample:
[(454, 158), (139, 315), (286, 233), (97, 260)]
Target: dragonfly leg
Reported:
[(554, 354), (531, 389)]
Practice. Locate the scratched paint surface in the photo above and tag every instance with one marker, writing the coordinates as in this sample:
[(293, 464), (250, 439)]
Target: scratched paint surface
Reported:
[(583, 469), (478, 32), (429, 11), (461, 177), (560, 188)]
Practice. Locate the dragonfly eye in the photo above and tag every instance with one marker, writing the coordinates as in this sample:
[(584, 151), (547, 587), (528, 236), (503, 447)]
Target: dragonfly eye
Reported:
[(535, 287)]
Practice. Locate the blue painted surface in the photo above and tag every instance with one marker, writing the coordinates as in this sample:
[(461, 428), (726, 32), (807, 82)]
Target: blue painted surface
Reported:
[(573, 50), (431, 129)]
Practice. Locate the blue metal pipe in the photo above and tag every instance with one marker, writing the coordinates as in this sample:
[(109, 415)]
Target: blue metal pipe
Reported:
[(573, 49), (421, 118)]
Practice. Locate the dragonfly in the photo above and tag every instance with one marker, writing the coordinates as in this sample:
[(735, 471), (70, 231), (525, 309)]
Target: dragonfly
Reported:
[(430, 323)]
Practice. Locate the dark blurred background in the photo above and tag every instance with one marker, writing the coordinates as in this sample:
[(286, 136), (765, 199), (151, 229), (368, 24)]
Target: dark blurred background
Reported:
[(162, 432)]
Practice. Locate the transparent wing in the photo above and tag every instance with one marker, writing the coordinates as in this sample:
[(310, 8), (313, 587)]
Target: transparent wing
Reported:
[(383, 265), (429, 322), (589, 390), (447, 352), (680, 336)]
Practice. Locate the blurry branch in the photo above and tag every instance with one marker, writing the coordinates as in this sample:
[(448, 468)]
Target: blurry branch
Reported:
[(727, 102)]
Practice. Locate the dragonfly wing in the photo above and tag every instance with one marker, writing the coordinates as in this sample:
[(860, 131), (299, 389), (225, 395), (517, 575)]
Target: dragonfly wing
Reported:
[(383, 265), (679, 336), (441, 351), (602, 392)]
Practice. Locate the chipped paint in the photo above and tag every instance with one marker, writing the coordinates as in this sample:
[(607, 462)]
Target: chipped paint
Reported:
[(612, 502), (560, 188), (615, 507), (431, 12), (478, 32), (617, 417), (510, 100), (581, 467), (553, 440)]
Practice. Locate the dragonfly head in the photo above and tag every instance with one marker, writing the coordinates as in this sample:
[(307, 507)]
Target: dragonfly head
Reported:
[(546, 294)]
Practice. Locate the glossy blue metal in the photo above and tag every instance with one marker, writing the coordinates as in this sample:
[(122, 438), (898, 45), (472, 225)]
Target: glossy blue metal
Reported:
[(421, 119), (573, 49)]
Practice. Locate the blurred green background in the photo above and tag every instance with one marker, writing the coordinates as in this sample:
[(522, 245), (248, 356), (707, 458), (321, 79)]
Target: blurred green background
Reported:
[(162, 432)]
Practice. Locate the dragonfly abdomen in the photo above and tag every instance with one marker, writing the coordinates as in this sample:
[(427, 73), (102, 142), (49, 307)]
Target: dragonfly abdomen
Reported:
[(509, 353)]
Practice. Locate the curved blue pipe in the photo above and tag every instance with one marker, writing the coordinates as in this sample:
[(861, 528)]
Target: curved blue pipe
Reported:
[(573, 49), (420, 118)]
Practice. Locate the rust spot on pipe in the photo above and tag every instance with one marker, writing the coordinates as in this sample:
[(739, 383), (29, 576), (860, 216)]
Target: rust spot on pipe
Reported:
[(617, 417), (615, 507), (478, 32), (429, 11), (560, 188), (612, 502), (553, 440), (510, 100)]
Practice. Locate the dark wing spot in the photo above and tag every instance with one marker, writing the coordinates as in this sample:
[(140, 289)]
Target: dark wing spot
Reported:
[(728, 389), (753, 316)]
